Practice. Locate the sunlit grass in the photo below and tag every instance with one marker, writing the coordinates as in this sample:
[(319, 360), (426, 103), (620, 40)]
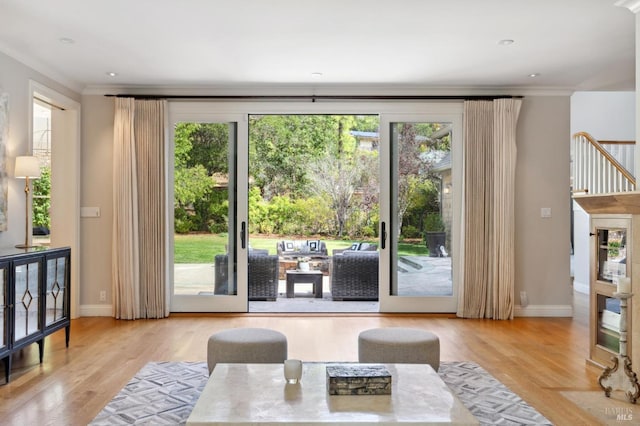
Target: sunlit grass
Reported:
[(201, 248), (198, 248)]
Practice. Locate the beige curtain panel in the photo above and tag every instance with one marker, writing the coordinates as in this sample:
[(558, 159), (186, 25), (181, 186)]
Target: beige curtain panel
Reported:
[(487, 286), (139, 236)]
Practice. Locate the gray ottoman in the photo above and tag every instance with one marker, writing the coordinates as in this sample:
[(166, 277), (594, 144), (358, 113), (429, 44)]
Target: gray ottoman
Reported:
[(245, 346), (399, 345)]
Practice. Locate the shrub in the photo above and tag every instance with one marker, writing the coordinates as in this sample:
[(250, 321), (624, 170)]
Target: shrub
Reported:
[(411, 231), (315, 215), (182, 224), (433, 223)]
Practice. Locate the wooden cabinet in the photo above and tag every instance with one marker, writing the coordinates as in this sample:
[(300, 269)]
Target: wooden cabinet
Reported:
[(35, 298), (611, 212), (611, 260)]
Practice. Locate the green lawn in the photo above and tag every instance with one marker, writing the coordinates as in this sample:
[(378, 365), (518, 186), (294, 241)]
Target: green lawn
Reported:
[(198, 248), (201, 248)]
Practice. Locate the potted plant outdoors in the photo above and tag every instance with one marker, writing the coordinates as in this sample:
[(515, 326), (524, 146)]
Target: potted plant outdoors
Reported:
[(435, 235), (303, 263)]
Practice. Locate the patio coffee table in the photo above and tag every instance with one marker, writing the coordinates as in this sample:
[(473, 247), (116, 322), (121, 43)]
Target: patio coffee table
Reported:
[(313, 277), (251, 394)]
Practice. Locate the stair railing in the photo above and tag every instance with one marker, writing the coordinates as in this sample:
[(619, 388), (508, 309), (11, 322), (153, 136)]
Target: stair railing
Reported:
[(595, 170)]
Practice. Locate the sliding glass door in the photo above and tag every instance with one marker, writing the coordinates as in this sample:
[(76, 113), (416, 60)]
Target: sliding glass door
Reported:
[(413, 187), (208, 249), (423, 193)]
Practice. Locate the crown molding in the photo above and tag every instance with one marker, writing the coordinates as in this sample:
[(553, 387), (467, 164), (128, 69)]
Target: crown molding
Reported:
[(632, 5), (326, 90)]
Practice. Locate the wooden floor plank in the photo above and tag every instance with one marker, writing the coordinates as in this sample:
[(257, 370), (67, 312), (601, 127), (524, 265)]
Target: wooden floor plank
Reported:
[(535, 357)]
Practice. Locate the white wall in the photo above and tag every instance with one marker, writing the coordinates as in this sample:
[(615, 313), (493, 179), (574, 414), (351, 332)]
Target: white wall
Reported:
[(97, 184), (14, 80), (606, 116), (542, 180), (18, 81)]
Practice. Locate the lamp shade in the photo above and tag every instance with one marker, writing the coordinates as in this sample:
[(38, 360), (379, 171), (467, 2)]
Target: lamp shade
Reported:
[(27, 167)]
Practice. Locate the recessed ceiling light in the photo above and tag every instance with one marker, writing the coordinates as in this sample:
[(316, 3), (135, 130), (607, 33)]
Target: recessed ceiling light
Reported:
[(534, 75), (112, 74), (316, 74), (66, 40), (506, 42)]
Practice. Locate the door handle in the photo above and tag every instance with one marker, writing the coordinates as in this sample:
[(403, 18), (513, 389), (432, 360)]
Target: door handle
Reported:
[(243, 235), (383, 236)]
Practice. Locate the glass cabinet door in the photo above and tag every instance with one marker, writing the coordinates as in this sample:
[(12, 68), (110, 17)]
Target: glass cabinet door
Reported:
[(27, 299), (612, 254), (612, 265), (608, 333), (4, 308), (56, 290)]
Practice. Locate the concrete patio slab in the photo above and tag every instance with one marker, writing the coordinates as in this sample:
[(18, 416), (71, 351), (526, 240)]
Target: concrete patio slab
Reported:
[(418, 276)]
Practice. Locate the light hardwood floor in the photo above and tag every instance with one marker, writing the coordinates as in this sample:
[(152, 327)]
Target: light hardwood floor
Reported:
[(535, 357)]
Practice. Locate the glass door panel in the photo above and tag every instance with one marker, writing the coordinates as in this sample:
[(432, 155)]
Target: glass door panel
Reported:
[(4, 308), (27, 299), (424, 209), (206, 251), (612, 254), (313, 212), (56, 290)]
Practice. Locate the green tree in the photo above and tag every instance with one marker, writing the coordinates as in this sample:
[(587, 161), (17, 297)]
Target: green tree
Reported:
[(423, 201), (197, 208), (339, 180), (42, 198), (366, 123), (209, 147), (281, 148), (419, 147)]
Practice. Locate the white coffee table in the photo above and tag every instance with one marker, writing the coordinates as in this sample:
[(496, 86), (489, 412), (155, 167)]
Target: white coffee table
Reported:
[(249, 394)]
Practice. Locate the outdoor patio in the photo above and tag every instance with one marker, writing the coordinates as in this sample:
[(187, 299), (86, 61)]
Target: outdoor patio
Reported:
[(419, 276)]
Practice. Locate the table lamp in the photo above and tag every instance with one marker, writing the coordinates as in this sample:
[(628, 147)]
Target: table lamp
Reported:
[(27, 167)]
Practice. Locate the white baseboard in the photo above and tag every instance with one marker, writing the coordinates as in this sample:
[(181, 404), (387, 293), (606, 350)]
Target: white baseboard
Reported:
[(96, 310), (529, 311), (581, 287), (544, 311)]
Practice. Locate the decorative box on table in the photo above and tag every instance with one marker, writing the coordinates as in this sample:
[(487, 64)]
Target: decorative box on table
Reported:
[(358, 379)]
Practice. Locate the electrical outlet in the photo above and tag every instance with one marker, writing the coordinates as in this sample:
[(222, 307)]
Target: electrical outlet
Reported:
[(524, 299), (103, 296)]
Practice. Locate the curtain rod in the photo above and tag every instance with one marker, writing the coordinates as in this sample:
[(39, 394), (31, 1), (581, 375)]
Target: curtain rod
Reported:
[(39, 99), (314, 98)]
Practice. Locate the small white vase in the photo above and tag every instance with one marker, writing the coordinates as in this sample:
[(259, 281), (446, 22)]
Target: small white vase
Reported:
[(292, 370), (303, 266)]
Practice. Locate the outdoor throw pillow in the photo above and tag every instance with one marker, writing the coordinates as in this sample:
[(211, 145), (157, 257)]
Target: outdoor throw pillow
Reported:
[(314, 245)]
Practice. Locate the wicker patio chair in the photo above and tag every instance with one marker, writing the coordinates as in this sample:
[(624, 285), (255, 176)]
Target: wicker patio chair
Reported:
[(356, 247), (354, 276), (263, 276)]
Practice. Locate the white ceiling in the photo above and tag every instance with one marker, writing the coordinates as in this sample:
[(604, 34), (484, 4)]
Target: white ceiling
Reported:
[(572, 44)]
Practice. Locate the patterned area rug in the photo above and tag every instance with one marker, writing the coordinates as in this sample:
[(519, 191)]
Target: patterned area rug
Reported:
[(164, 393)]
